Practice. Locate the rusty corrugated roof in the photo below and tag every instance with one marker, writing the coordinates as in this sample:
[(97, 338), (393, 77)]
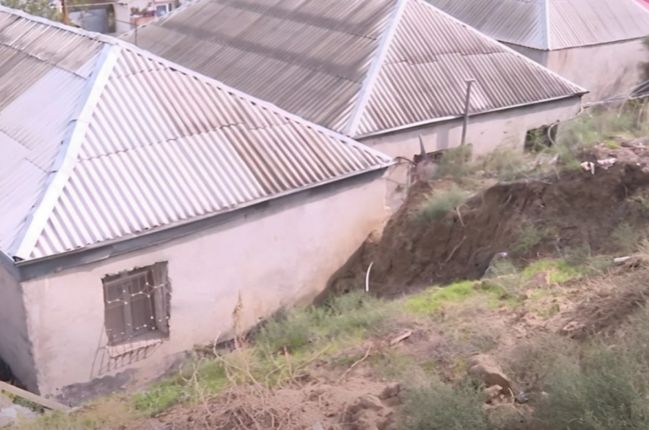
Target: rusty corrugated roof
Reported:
[(552, 24), (143, 144), (355, 66)]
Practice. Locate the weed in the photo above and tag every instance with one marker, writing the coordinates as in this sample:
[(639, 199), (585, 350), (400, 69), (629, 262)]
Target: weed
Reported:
[(437, 206), (611, 144), (625, 237), (454, 163), (436, 406), (394, 366), (506, 162), (530, 236), (434, 298)]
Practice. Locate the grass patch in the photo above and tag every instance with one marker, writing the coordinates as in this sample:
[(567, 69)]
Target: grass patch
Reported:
[(506, 162), (348, 315), (438, 205), (435, 298), (558, 271)]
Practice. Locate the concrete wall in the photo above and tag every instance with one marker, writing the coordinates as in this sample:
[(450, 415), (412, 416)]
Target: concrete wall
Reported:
[(485, 132), (604, 70), (278, 256), (15, 348)]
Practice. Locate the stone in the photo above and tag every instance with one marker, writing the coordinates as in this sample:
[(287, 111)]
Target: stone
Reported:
[(392, 390), (484, 368), (492, 393), (371, 402), (8, 417)]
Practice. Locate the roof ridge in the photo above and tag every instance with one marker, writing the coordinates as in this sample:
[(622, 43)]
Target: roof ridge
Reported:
[(67, 158), (375, 68), (503, 46), (546, 25)]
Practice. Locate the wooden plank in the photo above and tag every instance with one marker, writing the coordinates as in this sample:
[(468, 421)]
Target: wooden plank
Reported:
[(46, 403)]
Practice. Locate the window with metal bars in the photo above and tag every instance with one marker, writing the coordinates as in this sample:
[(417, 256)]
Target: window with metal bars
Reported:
[(137, 304)]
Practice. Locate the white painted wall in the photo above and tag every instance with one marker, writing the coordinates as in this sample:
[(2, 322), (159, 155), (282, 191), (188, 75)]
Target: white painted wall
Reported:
[(485, 132), (15, 348), (606, 70), (277, 257)]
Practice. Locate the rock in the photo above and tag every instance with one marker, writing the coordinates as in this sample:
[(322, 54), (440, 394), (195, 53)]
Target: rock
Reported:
[(371, 402), (485, 369), (392, 390), (493, 393)]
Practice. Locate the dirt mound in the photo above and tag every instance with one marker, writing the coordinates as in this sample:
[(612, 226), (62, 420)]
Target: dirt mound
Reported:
[(355, 404), (574, 210)]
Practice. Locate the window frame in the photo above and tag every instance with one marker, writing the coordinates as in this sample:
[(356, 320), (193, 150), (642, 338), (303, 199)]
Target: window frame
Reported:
[(119, 297)]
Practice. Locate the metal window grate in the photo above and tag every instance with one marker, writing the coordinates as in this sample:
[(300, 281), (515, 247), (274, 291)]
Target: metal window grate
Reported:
[(136, 303)]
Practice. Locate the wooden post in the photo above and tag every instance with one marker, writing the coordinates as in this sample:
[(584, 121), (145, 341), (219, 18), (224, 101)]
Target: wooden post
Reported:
[(469, 82), (64, 8)]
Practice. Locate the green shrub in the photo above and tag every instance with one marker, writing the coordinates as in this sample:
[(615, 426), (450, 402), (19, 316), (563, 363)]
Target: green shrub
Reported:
[(455, 163), (608, 390), (437, 406), (530, 236), (437, 206), (626, 237), (507, 162), (159, 398)]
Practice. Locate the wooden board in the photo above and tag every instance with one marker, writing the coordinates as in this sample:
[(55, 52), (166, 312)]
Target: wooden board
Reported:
[(46, 403)]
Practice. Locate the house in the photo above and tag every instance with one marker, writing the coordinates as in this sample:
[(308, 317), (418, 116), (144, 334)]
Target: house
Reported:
[(597, 44), (384, 72), (142, 203)]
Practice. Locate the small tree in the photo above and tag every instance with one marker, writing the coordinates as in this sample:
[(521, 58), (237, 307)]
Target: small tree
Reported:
[(40, 8)]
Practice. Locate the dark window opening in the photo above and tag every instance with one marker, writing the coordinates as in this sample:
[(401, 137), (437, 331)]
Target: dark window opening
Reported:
[(538, 139), (137, 304)]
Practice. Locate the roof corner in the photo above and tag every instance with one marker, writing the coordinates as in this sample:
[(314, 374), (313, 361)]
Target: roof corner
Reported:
[(65, 162)]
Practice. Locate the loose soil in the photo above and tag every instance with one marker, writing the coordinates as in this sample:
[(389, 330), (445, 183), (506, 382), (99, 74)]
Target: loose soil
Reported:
[(577, 209)]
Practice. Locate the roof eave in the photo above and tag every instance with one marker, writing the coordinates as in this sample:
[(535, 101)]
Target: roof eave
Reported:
[(92, 247), (453, 117)]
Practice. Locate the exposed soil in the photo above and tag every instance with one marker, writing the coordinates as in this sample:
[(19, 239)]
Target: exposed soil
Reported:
[(576, 208)]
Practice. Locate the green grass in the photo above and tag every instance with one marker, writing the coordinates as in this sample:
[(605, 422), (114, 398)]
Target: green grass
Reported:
[(559, 271), (435, 298)]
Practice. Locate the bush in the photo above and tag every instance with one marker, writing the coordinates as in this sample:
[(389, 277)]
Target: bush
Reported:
[(437, 406), (455, 163), (607, 391), (507, 162), (530, 236), (626, 237), (437, 206)]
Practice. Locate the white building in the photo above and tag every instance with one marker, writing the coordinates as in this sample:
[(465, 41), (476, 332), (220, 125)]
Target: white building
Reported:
[(142, 202), (597, 44)]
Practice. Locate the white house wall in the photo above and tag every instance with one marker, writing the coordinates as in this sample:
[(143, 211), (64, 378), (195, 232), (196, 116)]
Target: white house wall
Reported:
[(536, 55), (275, 257), (606, 70), (15, 348), (485, 132)]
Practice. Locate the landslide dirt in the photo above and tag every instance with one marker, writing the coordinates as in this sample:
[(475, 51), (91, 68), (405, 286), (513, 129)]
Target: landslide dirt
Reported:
[(576, 209)]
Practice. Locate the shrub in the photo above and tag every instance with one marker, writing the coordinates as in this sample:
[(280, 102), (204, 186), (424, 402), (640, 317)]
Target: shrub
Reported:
[(607, 391), (437, 206), (455, 163), (507, 162), (437, 406), (530, 236), (626, 238)]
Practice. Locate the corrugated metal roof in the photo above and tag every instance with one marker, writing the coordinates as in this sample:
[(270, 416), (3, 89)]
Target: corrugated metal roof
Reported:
[(358, 67), (144, 143), (552, 24), (420, 80)]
